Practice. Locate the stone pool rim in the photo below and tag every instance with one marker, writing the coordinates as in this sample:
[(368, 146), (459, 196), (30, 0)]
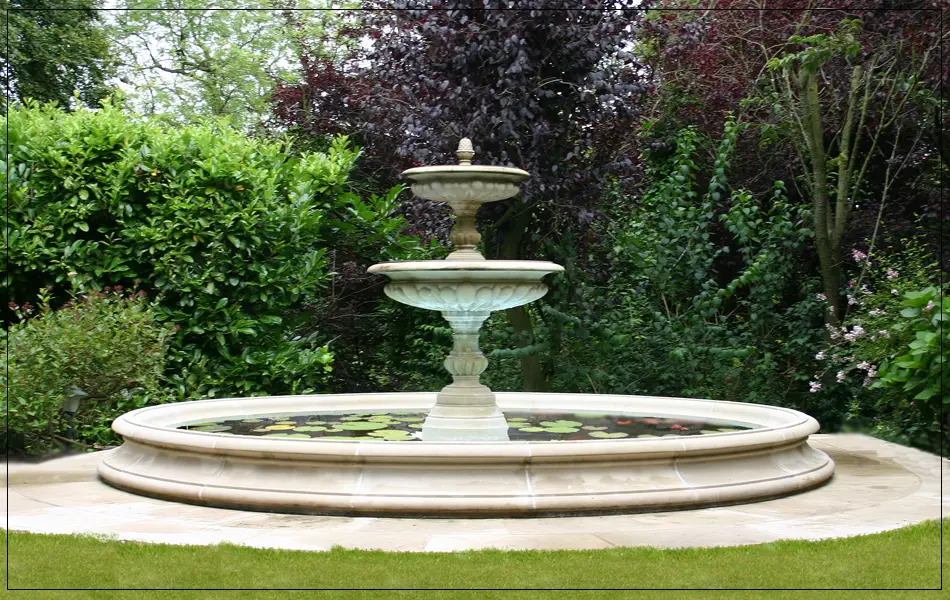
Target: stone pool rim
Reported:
[(465, 478)]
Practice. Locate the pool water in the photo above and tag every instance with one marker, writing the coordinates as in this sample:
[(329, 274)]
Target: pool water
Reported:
[(399, 426)]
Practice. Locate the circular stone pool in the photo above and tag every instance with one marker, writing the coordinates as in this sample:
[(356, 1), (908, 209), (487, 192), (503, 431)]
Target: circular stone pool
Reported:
[(568, 454)]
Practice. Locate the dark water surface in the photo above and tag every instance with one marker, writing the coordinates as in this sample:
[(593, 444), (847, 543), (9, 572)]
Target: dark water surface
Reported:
[(406, 425)]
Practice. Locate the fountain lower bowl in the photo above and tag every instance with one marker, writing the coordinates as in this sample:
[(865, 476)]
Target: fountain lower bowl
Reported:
[(466, 285), (471, 479)]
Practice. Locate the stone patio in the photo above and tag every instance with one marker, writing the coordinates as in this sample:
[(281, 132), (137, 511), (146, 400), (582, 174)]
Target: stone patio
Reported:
[(877, 486)]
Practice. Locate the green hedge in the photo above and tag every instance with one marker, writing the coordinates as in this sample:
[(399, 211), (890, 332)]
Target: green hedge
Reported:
[(228, 232)]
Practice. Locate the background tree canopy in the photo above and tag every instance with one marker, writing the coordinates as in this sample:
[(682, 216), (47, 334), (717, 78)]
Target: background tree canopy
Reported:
[(56, 47), (747, 197)]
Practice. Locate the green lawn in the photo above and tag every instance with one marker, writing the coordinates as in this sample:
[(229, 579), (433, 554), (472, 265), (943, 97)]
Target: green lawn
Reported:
[(903, 558)]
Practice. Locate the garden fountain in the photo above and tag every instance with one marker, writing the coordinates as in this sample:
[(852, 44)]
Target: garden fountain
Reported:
[(465, 451)]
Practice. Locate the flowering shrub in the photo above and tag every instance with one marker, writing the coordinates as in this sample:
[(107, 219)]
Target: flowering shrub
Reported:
[(109, 345), (886, 355)]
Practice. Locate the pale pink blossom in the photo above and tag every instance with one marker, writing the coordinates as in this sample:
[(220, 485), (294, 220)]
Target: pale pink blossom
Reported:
[(894, 292), (820, 355), (864, 365), (814, 386), (841, 376), (892, 274), (821, 297), (929, 307), (856, 332), (884, 333), (877, 312), (858, 255), (852, 300)]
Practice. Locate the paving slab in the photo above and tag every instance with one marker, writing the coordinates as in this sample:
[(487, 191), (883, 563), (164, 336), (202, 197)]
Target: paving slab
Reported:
[(877, 486)]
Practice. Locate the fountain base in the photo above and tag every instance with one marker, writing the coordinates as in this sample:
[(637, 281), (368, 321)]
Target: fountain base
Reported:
[(446, 424), (444, 478)]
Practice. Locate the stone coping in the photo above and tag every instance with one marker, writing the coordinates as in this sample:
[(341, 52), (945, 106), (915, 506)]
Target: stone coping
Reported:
[(495, 269), (877, 486), (448, 172), (776, 426)]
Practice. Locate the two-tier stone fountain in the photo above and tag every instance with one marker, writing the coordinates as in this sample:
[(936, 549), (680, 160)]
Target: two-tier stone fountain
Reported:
[(465, 451), (466, 288)]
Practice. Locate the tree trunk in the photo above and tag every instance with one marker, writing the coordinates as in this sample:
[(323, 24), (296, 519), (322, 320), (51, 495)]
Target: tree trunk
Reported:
[(826, 241), (518, 317)]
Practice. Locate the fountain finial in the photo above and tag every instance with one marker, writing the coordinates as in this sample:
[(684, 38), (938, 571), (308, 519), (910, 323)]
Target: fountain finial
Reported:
[(465, 151)]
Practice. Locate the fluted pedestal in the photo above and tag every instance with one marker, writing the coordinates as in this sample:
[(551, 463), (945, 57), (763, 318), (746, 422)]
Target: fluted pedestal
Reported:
[(465, 409)]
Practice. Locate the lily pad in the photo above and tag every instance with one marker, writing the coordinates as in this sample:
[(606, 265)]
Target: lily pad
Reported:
[(252, 421), (392, 434), (261, 430), (645, 435), (213, 428), (410, 419), (593, 428), (353, 418), (605, 435), (561, 429), (728, 429), (361, 426), (288, 435), (709, 431), (532, 429), (316, 422), (381, 418), (561, 423), (285, 422), (415, 425), (310, 428), (279, 427)]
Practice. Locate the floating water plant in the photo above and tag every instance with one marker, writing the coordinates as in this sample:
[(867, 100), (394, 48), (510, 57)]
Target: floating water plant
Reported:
[(560, 429), (281, 426), (561, 423), (593, 428), (361, 426), (310, 428), (392, 434), (532, 429), (618, 434)]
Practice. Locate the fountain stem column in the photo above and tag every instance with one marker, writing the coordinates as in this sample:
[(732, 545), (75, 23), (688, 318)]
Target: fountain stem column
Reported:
[(465, 409)]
